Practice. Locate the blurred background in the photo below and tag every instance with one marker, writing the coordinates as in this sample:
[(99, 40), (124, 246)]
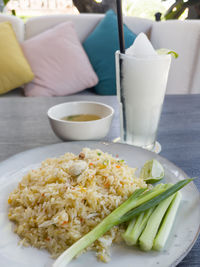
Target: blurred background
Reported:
[(150, 9)]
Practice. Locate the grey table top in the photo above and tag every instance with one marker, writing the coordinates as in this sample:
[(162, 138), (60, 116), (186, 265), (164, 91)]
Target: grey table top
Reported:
[(24, 125)]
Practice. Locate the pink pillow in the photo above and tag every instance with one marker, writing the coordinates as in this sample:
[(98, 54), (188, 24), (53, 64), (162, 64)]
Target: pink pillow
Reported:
[(59, 63)]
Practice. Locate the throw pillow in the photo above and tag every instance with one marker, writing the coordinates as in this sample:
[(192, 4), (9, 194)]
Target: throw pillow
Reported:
[(101, 46), (59, 62), (14, 68)]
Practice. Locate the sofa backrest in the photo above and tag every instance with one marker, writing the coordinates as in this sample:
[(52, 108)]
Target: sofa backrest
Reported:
[(180, 36), (17, 24), (84, 24), (184, 38)]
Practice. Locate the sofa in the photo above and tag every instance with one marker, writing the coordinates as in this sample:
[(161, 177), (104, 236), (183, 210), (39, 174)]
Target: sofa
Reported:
[(180, 36)]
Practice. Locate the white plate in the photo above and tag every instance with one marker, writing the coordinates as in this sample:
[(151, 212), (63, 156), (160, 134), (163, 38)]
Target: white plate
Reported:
[(181, 240)]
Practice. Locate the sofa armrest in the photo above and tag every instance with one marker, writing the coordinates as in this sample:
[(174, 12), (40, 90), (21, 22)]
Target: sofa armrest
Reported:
[(195, 87), (17, 24), (182, 37)]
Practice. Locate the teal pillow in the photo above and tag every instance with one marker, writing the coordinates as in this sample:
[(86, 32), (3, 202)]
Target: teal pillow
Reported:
[(100, 47)]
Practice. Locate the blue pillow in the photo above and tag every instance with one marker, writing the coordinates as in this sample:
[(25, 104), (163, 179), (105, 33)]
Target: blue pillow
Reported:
[(100, 47)]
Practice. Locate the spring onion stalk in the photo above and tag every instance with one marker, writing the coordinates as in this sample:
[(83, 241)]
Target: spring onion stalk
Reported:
[(167, 223), (154, 201), (121, 214), (127, 234), (136, 225), (148, 235), (133, 232)]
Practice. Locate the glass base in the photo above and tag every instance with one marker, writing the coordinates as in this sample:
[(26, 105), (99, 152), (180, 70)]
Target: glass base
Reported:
[(156, 148)]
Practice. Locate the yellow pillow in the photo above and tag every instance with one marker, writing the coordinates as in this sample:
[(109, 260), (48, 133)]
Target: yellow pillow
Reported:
[(14, 68)]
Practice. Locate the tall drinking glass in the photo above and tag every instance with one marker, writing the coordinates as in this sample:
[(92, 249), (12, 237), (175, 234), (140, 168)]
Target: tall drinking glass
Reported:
[(141, 86)]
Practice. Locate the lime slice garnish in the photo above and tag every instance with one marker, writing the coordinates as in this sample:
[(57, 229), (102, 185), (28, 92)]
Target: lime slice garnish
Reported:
[(164, 51), (152, 171)]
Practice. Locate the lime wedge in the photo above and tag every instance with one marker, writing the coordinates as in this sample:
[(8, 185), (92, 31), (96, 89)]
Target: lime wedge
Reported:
[(152, 171), (164, 51)]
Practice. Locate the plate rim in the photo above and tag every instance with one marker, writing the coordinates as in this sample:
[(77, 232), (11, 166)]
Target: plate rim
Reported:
[(107, 143)]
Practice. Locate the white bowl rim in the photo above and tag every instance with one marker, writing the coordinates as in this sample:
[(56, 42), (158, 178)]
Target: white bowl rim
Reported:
[(81, 122)]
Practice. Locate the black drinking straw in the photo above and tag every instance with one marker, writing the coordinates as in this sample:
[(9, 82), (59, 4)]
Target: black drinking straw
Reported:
[(122, 51), (120, 26)]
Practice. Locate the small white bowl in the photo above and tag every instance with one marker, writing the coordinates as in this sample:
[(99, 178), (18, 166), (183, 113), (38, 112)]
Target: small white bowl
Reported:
[(84, 130)]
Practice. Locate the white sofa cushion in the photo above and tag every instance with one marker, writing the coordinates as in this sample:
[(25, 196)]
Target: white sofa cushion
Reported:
[(84, 24), (17, 24), (138, 25), (182, 37)]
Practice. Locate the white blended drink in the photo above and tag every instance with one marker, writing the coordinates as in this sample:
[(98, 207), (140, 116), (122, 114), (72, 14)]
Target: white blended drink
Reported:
[(141, 85)]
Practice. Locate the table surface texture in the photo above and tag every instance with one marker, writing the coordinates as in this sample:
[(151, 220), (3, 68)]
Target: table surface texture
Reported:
[(24, 125)]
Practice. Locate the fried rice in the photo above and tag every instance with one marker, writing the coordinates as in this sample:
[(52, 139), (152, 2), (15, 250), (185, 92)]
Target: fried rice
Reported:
[(58, 203)]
